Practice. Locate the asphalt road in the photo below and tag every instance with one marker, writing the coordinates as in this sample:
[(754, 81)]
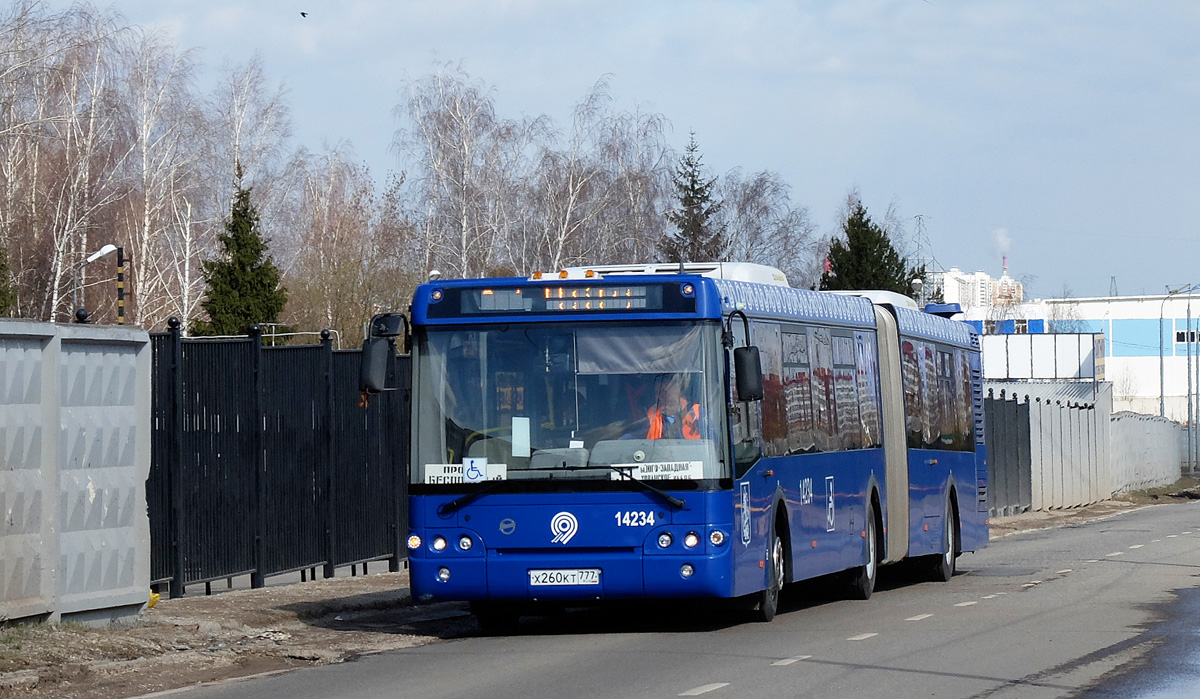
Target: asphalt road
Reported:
[(1085, 609)]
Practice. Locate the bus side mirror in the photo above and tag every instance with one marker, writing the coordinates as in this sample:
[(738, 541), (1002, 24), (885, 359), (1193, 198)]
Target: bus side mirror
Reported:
[(377, 348), (373, 374), (748, 367)]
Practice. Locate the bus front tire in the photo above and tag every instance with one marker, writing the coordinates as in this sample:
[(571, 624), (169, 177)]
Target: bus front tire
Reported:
[(862, 579), (766, 602)]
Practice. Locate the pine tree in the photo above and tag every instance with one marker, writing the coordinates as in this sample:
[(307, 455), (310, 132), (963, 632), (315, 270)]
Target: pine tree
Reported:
[(698, 236), (243, 283), (866, 260)]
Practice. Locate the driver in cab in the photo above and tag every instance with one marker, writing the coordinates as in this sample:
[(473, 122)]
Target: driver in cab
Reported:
[(672, 416)]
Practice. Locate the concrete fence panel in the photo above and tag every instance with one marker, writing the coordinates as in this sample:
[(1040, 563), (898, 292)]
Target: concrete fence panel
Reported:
[(1146, 451), (75, 443)]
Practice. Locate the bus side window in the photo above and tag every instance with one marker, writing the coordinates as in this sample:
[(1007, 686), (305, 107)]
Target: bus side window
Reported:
[(797, 390), (744, 419), (773, 411)]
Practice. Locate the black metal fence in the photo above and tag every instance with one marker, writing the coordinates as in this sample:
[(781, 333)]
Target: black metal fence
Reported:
[(265, 462)]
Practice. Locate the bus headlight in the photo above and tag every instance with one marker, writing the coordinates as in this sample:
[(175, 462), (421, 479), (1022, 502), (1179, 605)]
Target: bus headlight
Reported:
[(439, 543), (414, 542), (444, 574), (686, 570), (717, 537), (465, 543), (665, 540), (691, 540)]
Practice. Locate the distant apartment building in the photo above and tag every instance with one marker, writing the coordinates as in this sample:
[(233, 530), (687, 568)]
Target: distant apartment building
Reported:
[(978, 289)]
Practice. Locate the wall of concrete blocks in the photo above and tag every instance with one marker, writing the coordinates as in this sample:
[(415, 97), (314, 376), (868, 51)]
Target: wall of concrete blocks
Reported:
[(1070, 461), (74, 457), (1146, 451)]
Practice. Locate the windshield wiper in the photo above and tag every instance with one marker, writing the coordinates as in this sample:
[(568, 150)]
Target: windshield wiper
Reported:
[(674, 501), (623, 471), (457, 503)]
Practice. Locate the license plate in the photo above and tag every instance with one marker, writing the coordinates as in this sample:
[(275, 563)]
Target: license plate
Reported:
[(565, 576)]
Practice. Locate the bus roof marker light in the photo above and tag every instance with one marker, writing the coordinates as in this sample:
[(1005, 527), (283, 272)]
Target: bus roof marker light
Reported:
[(563, 274), (536, 276)]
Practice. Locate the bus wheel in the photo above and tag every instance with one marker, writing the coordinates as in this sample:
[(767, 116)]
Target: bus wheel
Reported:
[(767, 601), (495, 619), (942, 565), (862, 579)]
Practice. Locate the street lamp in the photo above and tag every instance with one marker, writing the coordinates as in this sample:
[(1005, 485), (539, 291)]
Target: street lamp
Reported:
[(1162, 394), (102, 252)]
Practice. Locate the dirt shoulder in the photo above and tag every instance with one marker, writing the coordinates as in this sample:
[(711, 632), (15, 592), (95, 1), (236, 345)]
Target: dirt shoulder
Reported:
[(200, 639), (194, 640)]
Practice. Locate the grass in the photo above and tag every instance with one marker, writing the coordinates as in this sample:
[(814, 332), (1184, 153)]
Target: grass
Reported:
[(1185, 487)]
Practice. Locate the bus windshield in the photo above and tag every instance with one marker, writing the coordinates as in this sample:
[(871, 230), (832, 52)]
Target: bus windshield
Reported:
[(595, 403)]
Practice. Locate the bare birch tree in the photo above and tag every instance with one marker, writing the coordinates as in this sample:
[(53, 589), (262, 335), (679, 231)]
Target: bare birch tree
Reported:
[(762, 226), (470, 167)]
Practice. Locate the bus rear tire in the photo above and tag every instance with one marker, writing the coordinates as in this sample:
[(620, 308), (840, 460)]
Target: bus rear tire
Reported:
[(941, 567), (495, 619), (766, 602), (862, 579)]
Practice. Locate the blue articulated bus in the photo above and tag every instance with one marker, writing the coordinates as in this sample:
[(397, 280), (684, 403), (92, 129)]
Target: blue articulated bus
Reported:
[(696, 431)]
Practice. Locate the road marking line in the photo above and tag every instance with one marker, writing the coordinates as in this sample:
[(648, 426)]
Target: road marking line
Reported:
[(918, 617), (1115, 553), (1063, 571), (1093, 560), (789, 661), (1001, 593), (704, 689), (862, 637), (966, 604), (989, 596), (1171, 536), (1137, 546), (1155, 541), (1186, 533)]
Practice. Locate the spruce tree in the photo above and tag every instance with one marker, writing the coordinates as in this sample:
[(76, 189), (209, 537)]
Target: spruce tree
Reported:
[(243, 283), (698, 236), (866, 259)]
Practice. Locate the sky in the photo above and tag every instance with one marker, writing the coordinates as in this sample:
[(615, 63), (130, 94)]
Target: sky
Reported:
[(1065, 135)]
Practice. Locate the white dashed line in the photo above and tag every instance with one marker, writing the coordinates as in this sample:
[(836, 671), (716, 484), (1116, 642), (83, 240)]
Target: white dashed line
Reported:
[(1186, 533), (704, 689), (990, 596), (862, 637), (1063, 572), (1115, 553), (789, 661), (918, 617), (1137, 546), (1155, 541), (1093, 560), (1171, 536), (966, 604)]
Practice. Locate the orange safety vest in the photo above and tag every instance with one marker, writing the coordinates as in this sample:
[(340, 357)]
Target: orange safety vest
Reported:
[(691, 421)]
